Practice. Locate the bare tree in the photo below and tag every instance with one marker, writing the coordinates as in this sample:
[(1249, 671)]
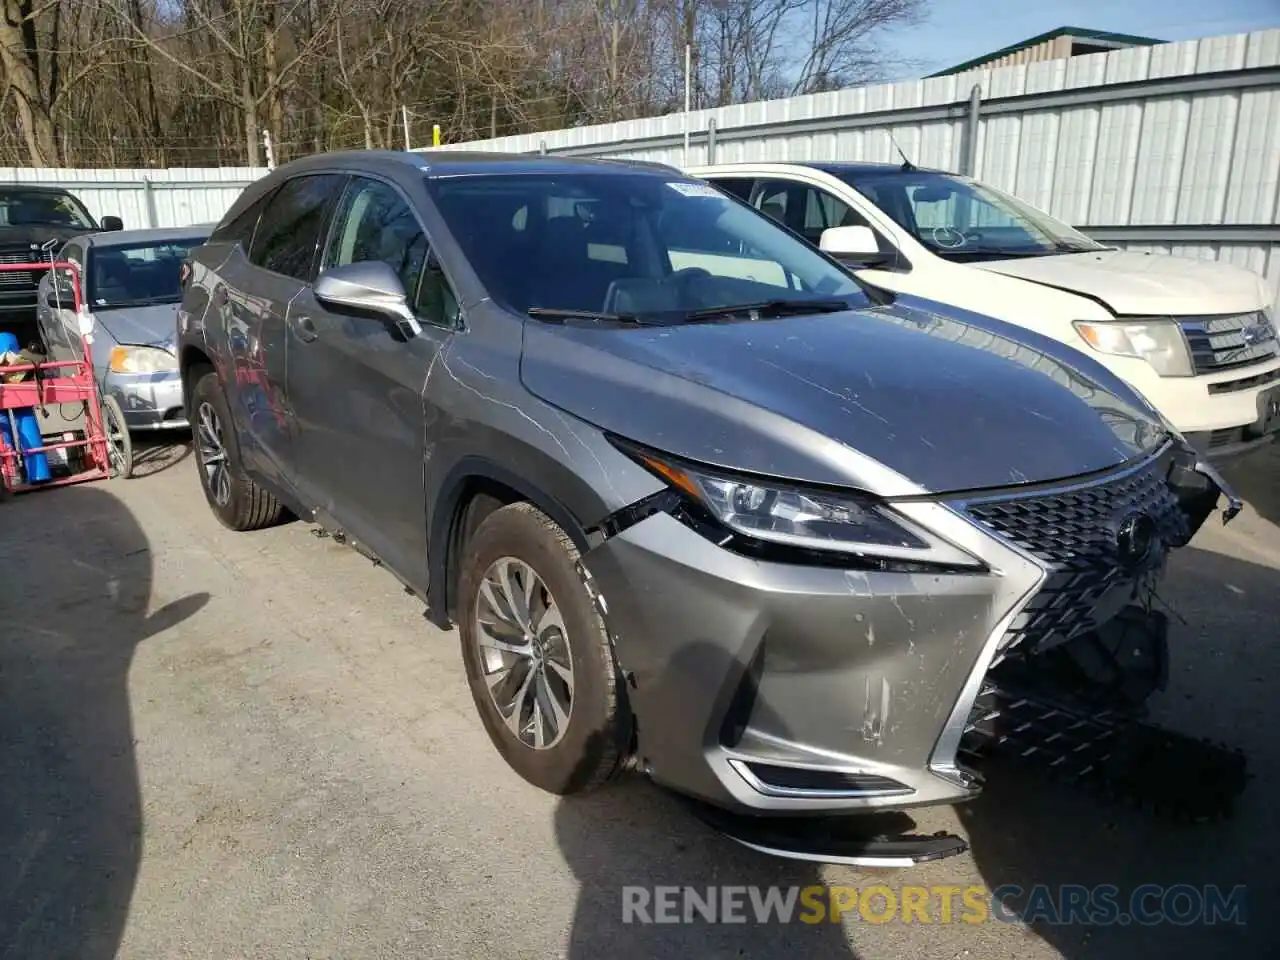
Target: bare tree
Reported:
[(152, 82)]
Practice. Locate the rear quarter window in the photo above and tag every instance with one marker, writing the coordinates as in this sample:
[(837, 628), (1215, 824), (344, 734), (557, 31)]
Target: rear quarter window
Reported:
[(239, 229)]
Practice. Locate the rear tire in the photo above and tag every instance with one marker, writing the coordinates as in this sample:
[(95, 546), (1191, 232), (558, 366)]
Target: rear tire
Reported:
[(563, 723), (233, 497)]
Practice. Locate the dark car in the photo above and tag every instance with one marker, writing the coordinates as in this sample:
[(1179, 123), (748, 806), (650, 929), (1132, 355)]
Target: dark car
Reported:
[(694, 497), (33, 221)]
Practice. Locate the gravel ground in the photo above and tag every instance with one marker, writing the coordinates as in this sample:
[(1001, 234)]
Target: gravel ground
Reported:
[(253, 746)]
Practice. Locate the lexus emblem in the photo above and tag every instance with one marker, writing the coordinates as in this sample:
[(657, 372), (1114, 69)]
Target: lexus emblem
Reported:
[(1135, 540)]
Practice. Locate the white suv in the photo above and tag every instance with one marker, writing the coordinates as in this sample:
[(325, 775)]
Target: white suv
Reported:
[(1195, 337)]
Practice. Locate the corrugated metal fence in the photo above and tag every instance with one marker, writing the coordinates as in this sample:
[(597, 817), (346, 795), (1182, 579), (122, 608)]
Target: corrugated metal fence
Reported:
[(176, 197), (1173, 148)]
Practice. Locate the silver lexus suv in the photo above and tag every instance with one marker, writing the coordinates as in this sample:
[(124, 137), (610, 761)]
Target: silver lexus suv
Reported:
[(697, 501)]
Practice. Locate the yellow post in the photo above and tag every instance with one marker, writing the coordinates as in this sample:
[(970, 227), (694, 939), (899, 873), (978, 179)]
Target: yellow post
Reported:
[(435, 134)]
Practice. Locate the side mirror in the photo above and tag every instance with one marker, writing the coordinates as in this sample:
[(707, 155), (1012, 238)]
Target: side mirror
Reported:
[(853, 245), (112, 224), (368, 288)]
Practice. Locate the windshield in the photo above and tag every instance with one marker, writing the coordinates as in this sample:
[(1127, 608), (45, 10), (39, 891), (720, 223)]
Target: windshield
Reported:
[(963, 220), (630, 244), (20, 208), (139, 274)]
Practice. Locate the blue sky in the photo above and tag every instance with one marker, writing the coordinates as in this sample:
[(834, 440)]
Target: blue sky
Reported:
[(958, 30)]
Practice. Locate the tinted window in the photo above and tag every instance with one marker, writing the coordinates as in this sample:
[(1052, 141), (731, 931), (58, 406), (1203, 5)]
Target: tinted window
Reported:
[(739, 187), (772, 199), (240, 230), (374, 222), (290, 228), (20, 207), (626, 242), (137, 275)]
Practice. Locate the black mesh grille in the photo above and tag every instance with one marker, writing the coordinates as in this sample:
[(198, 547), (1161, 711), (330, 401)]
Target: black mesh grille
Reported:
[(1076, 532), (19, 279)]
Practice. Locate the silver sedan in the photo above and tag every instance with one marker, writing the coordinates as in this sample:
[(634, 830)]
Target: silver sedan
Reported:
[(131, 292)]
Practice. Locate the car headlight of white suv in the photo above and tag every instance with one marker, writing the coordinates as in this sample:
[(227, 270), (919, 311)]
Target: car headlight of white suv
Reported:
[(1159, 342)]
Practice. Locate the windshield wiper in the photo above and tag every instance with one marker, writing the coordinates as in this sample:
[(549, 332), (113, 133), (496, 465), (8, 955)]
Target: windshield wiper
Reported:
[(768, 309), (139, 302), (554, 313), (1069, 246)]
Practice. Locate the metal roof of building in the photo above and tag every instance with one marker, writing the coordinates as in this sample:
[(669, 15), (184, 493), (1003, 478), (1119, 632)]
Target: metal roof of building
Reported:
[(1098, 38)]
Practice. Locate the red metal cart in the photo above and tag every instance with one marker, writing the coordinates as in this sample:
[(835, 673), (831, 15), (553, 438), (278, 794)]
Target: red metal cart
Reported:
[(99, 446)]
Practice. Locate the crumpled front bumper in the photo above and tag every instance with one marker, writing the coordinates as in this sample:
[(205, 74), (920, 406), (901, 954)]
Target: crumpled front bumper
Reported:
[(781, 688), (777, 688)]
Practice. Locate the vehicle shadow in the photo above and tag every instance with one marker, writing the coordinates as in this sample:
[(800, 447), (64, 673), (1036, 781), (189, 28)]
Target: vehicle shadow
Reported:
[(152, 455), (635, 834), (1024, 832), (1256, 478), (75, 592)]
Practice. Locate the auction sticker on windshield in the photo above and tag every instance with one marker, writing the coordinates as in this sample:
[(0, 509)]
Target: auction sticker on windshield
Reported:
[(687, 189)]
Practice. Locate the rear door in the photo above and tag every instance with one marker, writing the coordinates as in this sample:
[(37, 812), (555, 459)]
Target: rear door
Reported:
[(259, 290), (355, 383)]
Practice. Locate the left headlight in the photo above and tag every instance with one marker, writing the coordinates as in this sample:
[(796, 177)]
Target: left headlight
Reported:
[(126, 359), (1159, 342), (793, 516)]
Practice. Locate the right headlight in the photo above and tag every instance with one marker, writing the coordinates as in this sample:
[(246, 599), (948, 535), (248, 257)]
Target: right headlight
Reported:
[(1159, 342), (133, 359), (775, 512)]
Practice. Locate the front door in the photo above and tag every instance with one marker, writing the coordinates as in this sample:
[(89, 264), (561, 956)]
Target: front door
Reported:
[(355, 383)]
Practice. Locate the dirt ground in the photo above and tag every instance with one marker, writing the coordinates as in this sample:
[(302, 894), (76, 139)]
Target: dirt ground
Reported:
[(253, 746)]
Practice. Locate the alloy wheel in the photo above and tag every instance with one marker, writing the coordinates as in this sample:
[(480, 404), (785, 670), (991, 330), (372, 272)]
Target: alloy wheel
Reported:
[(524, 651), (213, 454), (116, 433)]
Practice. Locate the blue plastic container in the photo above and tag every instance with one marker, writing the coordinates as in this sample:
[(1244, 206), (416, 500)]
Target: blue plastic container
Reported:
[(35, 464)]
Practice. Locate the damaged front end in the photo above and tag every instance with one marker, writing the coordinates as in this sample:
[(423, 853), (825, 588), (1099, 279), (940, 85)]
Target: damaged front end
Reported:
[(1066, 688), (773, 686)]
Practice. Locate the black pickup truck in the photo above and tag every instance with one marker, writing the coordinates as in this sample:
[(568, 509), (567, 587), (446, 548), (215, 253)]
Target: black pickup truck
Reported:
[(30, 217)]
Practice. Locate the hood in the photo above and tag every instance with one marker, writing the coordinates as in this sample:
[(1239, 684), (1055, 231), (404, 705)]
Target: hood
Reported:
[(38, 234), (947, 404), (1144, 284), (151, 326)]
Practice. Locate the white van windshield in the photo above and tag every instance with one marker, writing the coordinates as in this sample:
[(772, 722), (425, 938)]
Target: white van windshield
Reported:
[(961, 219)]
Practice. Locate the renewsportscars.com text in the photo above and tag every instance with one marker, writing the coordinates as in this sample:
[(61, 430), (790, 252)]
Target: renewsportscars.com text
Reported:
[(1102, 905)]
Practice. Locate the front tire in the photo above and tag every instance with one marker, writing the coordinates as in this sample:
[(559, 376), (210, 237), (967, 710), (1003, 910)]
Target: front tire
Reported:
[(538, 657), (233, 497), (119, 443)]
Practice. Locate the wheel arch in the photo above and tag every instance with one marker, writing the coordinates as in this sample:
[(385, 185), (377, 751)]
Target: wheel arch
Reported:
[(190, 359), (473, 488)]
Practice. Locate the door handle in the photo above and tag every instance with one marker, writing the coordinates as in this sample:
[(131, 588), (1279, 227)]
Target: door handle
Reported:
[(306, 329)]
